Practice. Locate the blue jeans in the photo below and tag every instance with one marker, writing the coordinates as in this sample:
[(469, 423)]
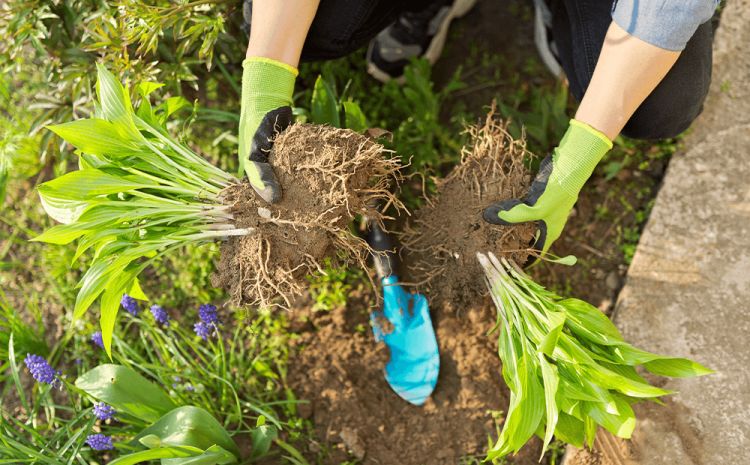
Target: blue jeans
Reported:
[(579, 26)]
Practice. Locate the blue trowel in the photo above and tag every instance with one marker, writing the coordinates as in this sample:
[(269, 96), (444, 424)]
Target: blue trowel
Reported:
[(404, 325)]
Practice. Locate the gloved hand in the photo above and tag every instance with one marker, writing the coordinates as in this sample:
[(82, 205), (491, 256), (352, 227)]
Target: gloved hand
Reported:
[(267, 88), (556, 186)]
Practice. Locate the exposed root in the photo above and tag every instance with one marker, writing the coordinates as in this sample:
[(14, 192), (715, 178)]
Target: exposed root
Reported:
[(441, 241), (329, 177)]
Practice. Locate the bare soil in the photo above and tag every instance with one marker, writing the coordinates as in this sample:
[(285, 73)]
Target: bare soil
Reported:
[(338, 367), (329, 176)]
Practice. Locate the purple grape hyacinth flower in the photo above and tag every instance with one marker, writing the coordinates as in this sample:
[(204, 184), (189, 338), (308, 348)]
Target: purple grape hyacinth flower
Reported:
[(130, 305), (103, 411), (40, 369), (99, 442), (96, 338), (160, 315), (208, 314), (204, 330)]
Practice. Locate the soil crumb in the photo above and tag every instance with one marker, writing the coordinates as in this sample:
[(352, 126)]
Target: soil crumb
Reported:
[(441, 242), (339, 370), (328, 176)]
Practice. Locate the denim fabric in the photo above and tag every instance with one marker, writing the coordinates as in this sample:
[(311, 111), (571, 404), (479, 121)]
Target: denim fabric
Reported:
[(668, 24), (578, 30)]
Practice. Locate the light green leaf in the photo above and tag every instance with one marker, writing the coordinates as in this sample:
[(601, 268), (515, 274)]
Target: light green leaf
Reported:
[(549, 342), (551, 380), (92, 284), (96, 137), (569, 429), (114, 101), (214, 455), (354, 118), (155, 454), (325, 109), (621, 424), (136, 292), (677, 367), (86, 184), (63, 210), (262, 437), (190, 426), (174, 104), (146, 88), (127, 391)]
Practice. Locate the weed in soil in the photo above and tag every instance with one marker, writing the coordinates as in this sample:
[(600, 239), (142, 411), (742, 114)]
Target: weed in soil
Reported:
[(441, 243), (329, 176)]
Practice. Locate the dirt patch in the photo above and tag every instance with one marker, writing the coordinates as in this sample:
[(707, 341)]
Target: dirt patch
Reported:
[(329, 176), (338, 367), (441, 243)]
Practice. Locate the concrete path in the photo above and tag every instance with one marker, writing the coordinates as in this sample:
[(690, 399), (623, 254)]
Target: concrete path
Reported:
[(688, 289)]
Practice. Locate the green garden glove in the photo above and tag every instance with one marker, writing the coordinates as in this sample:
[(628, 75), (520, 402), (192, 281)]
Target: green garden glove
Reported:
[(556, 186), (267, 87)]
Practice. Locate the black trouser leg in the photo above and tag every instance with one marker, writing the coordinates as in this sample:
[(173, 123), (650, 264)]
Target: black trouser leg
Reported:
[(343, 26), (579, 27)]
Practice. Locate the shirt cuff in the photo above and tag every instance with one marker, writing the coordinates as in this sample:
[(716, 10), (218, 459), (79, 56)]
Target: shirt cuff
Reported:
[(667, 24)]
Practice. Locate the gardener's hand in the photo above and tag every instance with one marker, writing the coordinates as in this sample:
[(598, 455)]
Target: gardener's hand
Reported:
[(555, 188), (267, 87)]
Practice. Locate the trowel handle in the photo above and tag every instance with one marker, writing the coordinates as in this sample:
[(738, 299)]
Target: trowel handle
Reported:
[(386, 263)]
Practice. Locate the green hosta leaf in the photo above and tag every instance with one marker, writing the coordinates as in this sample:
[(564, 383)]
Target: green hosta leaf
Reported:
[(549, 342), (569, 429), (146, 88), (136, 292), (97, 137), (127, 391), (63, 210), (325, 109), (354, 119), (611, 380), (214, 455), (589, 322), (114, 101), (190, 426), (677, 368), (89, 183), (262, 438), (174, 104), (551, 381), (620, 424), (155, 454)]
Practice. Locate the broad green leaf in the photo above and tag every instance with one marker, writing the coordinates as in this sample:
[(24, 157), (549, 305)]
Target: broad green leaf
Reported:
[(96, 137), (136, 292), (261, 438), (146, 88), (325, 109), (589, 431), (677, 367), (62, 233), (551, 381), (354, 119), (63, 210), (155, 454), (589, 321), (569, 429), (556, 322), (610, 380), (214, 455), (190, 426), (174, 104), (92, 284), (114, 101), (621, 425), (127, 391), (117, 285), (86, 184)]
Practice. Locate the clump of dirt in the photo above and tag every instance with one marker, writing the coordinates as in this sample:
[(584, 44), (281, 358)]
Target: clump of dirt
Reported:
[(339, 369), (328, 176), (441, 242)]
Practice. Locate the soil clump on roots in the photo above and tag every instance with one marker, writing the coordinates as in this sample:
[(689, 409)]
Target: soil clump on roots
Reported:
[(328, 176), (441, 242)]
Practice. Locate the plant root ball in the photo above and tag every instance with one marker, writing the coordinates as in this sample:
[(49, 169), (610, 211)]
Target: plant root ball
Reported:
[(441, 242), (328, 177)]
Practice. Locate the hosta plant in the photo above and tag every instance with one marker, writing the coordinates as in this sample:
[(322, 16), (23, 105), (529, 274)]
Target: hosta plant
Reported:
[(566, 364), (138, 193)]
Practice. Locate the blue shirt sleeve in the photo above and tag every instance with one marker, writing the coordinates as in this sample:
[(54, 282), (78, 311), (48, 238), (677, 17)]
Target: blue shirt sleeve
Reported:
[(667, 24)]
